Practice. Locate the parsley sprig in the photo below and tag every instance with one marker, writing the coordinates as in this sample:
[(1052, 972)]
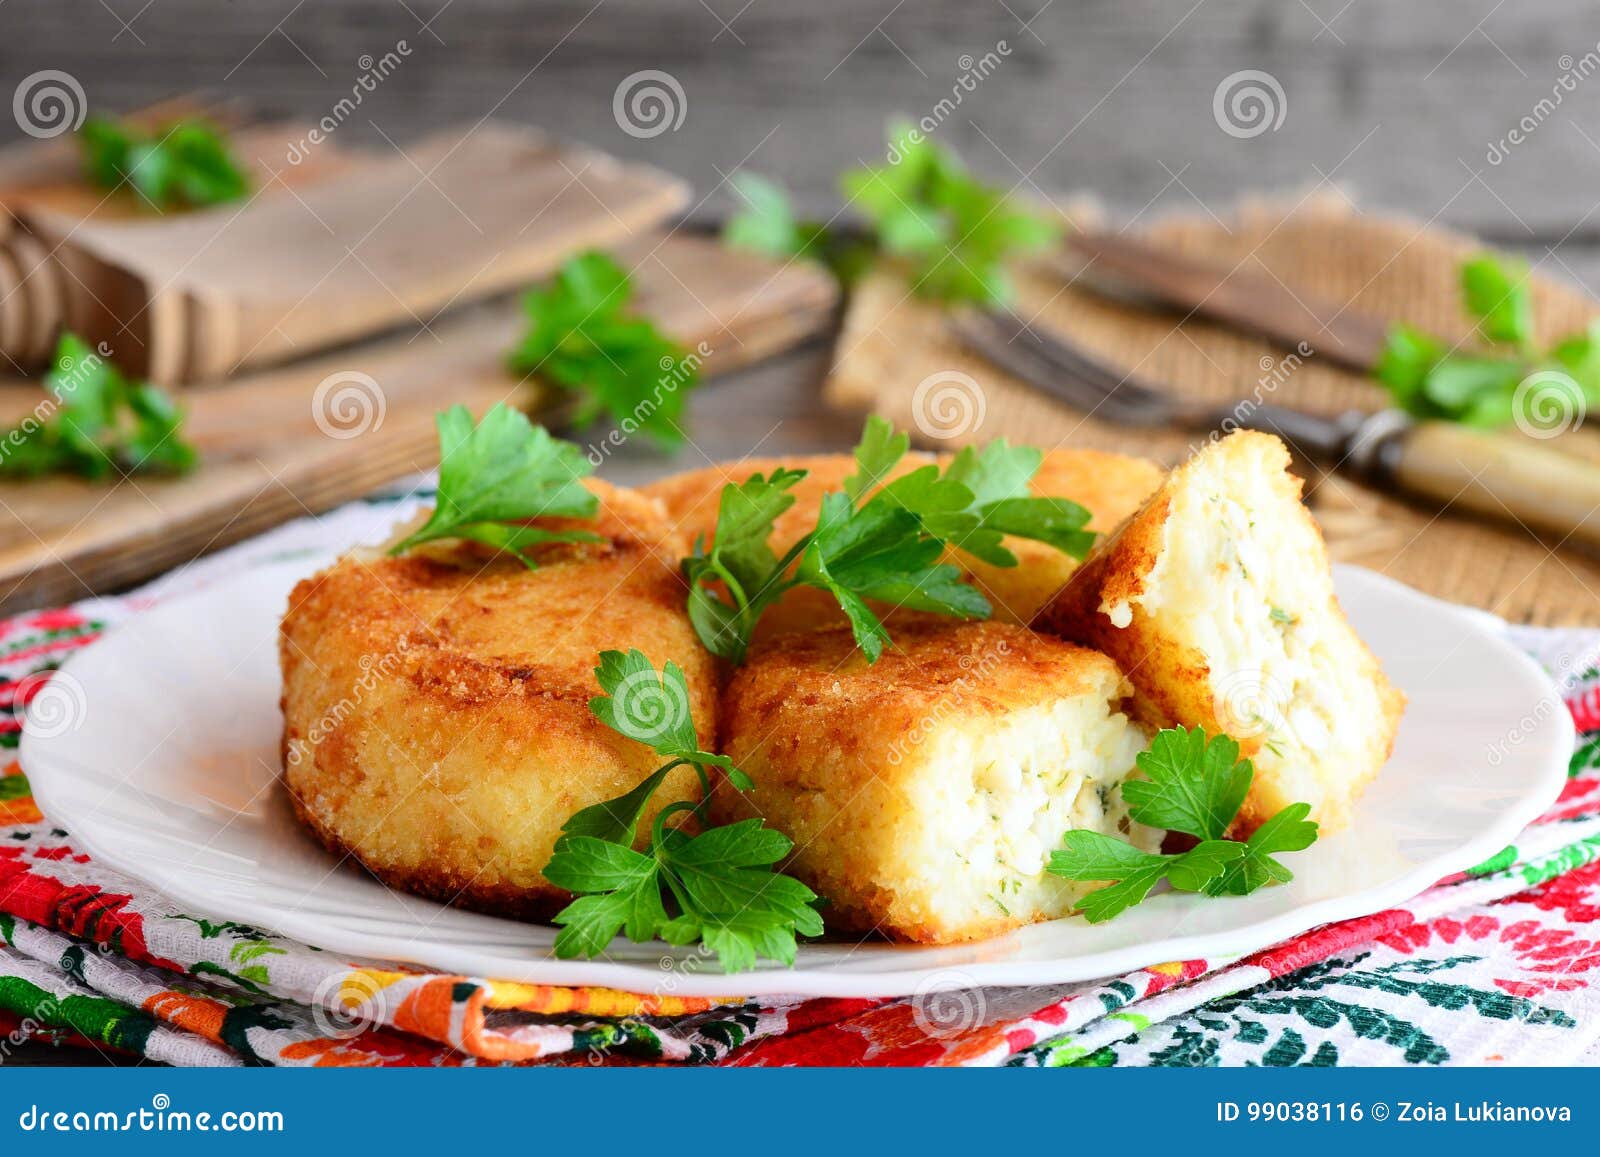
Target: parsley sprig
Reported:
[(1430, 379), (956, 233), (498, 475), (714, 888), (183, 164), (1193, 785), (582, 338), (885, 545), (767, 223), (96, 423)]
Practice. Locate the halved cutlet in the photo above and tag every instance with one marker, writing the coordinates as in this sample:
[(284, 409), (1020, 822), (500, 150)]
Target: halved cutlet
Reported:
[(925, 792), (1217, 599)]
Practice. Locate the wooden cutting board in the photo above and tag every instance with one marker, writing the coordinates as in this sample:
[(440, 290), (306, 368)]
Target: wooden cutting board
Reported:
[(37, 289), (389, 242), (266, 446)]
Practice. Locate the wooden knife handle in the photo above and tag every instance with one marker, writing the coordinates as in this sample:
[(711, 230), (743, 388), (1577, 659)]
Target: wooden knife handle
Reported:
[(1500, 475), (1236, 298)]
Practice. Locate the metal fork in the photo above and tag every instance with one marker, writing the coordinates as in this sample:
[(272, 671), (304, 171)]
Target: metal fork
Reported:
[(1445, 464), (1073, 374)]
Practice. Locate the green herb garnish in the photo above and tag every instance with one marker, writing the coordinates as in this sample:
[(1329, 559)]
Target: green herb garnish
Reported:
[(956, 233), (1195, 786), (582, 338), (885, 547), (497, 476), (183, 164), (714, 888), (767, 224), (95, 423), (1429, 379)]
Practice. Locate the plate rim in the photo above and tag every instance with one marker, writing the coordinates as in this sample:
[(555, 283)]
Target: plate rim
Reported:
[(821, 979)]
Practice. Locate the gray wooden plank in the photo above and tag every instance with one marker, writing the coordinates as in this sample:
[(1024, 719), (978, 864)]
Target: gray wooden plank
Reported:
[(1398, 101)]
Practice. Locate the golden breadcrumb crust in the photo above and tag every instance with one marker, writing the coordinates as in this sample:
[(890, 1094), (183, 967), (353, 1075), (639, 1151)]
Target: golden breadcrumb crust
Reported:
[(436, 720)]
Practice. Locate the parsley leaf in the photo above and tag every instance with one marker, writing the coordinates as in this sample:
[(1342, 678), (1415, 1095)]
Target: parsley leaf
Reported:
[(95, 423), (1429, 379), (881, 551), (740, 562), (186, 163), (714, 887), (497, 476), (1089, 855), (1497, 295), (653, 709), (766, 224), (982, 496), (1287, 831), (581, 338), (877, 453), (1196, 786), (957, 232), (1192, 784)]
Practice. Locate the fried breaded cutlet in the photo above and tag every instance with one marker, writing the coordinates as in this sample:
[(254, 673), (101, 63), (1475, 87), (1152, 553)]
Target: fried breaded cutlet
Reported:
[(1110, 486), (436, 719), (924, 793), (1217, 598)]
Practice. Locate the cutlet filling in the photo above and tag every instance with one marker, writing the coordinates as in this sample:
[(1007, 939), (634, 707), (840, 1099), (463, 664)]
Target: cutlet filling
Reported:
[(996, 800), (1242, 578)]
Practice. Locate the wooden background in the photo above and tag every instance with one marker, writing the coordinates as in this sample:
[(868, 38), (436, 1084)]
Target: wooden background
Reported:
[(1407, 106), (1398, 103)]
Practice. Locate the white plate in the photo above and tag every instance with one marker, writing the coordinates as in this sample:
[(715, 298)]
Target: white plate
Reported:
[(171, 777)]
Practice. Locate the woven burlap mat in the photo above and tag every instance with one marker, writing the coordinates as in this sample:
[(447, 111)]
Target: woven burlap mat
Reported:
[(1381, 265)]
